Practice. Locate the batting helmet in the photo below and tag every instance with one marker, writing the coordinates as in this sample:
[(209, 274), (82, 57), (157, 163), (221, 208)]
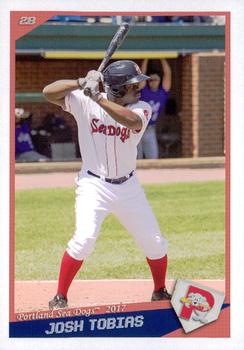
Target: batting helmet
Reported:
[(121, 73)]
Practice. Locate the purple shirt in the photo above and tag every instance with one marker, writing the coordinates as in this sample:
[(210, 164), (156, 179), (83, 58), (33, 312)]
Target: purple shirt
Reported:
[(23, 141), (156, 99)]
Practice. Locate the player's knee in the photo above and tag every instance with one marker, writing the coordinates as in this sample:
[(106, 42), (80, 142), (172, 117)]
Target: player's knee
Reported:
[(157, 249), (81, 249), (164, 246)]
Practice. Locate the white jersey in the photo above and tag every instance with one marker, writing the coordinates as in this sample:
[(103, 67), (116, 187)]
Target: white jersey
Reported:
[(107, 148)]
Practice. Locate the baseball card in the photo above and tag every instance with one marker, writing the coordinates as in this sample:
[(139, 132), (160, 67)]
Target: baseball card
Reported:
[(117, 205)]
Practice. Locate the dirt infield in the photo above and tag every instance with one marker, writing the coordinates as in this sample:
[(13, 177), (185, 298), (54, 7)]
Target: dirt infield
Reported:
[(146, 176), (90, 293)]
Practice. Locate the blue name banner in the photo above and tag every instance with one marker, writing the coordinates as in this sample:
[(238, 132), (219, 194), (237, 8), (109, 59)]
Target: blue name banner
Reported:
[(149, 323), (153, 323)]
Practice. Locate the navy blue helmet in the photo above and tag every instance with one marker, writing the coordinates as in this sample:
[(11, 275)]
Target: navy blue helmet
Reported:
[(121, 73)]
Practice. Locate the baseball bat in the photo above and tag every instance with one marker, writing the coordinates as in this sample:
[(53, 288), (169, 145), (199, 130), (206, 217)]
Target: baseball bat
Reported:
[(113, 46)]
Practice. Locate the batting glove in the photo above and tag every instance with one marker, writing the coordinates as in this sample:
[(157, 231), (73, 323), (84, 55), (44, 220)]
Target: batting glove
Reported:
[(92, 88), (94, 75)]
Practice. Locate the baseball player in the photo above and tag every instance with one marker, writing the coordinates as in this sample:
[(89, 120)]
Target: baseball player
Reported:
[(110, 126)]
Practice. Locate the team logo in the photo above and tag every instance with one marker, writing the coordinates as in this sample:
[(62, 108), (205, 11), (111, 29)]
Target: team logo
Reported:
[(196, 305)]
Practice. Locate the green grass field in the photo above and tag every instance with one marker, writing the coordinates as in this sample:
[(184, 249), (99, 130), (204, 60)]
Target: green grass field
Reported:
[(191, 216)]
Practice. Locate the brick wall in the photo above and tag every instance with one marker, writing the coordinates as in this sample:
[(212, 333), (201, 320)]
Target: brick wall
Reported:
[(33, 75), (187, 111), (211, 105), (203, 105)]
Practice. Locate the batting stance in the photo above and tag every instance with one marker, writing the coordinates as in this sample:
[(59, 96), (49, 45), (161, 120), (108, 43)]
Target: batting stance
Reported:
[(110, 126)]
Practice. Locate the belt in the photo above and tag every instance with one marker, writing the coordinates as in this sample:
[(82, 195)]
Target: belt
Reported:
[(118, 181)]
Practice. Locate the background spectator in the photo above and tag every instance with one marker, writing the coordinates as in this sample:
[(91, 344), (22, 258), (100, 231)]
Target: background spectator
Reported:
[(138, 19), (52, 130), (24, 148), (155, 92)]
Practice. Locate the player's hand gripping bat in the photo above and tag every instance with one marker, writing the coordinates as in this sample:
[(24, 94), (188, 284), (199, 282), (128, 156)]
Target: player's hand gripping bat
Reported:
[(113, 46)]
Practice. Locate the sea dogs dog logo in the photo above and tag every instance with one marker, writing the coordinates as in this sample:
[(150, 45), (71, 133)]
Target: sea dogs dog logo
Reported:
[(196, 304)]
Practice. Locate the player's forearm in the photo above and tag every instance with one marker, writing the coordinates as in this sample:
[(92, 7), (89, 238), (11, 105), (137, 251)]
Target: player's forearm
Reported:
[(121, 114), (59, 89)]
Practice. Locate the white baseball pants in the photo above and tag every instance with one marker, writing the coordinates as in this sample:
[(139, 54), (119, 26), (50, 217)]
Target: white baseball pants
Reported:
[(95, 199)]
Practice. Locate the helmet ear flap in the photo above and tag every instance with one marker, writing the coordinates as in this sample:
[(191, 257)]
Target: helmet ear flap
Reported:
[(122, 91), (117, 91)]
